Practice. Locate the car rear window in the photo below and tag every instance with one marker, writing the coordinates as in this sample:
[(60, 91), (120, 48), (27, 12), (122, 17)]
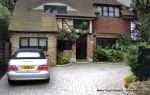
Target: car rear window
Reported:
[(29, 55)]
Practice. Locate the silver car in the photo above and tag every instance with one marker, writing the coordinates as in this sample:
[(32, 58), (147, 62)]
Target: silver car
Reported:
[(28, 64)]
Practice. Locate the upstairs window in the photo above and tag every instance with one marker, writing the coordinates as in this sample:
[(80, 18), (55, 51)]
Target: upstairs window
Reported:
[(108, 11), (51, 9), (81, 24)]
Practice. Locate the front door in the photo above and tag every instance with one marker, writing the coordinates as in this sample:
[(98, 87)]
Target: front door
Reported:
[(81, 49)]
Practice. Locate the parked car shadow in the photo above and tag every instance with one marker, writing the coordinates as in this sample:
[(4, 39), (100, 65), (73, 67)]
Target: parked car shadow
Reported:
[(24, 83)]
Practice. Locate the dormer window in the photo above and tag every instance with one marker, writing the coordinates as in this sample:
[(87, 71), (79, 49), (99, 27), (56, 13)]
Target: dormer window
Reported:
[(108, 11), (52, 9)]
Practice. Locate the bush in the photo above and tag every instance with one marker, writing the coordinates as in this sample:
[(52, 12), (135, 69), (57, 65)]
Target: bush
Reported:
[(62, 59), (111, 55), (142, 88), (99, 54), (124, 40), (130, 79), (114, 55), (132, 58)]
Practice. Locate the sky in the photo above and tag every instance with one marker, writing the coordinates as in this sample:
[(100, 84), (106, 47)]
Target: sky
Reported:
[(125, 2)]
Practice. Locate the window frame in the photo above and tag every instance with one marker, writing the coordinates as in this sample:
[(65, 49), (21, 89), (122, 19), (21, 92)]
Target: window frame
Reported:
[(80, 20), (38, 45), (115, 12), (108, 10), (104, 41), (57, 9), (62, 45)]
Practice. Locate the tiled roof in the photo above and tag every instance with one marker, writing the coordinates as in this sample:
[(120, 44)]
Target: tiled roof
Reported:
[(25, 18)]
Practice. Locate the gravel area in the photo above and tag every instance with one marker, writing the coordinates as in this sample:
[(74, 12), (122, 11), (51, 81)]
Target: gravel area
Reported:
[(76, 79)]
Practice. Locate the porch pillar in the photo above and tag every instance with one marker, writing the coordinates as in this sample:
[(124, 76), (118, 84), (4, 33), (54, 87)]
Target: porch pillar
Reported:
[(73, 58), (90, 47)]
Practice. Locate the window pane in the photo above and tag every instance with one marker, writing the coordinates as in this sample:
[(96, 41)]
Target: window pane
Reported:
[(64, 45), (105, 11), (99, 9), (117, 13), (106, 42), (24, 42), (111, 11), (55, 9), (33, 42), (42, 42), (81, 24), (68, 45)]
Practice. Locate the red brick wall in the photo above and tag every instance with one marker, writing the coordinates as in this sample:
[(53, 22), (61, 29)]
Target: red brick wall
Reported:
[(111, 25)]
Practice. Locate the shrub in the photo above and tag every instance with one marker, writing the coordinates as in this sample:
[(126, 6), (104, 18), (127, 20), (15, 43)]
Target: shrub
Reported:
[(62, 59), (130, 79), (124, 40), (114, 55), (132, 58), (142, 88), (101, 54)]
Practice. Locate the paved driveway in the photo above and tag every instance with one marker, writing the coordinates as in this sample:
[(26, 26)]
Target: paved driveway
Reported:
[(77, 79)]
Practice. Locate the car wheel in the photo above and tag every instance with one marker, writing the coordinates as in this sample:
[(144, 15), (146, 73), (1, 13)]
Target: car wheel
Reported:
[(10, 82)]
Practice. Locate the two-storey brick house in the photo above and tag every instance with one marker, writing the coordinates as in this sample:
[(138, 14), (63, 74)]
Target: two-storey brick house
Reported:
[(36, 23)]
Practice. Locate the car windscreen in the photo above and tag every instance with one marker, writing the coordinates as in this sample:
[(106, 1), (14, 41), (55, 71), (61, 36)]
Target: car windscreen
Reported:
[(29, 55)]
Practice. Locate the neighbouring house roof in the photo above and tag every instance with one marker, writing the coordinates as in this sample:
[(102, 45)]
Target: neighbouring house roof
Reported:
[(29, 15)]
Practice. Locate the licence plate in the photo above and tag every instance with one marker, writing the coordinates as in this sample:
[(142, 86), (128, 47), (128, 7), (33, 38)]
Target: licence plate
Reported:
[(27, 67)]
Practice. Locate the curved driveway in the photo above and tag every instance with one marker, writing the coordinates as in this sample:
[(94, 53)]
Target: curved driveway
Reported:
[(77, 79)]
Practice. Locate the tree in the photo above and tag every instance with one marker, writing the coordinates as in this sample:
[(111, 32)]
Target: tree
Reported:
[(144, 28), (4, 22), (140, 7), (8, 3)]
